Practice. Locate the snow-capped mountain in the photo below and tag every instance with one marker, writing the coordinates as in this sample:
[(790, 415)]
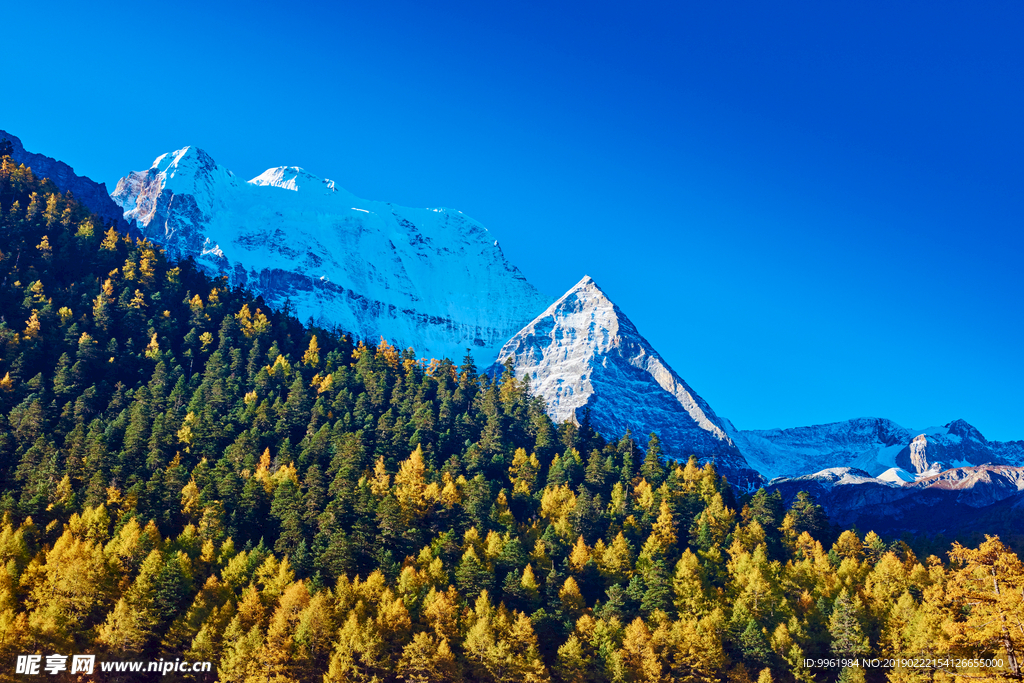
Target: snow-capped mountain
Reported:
[(433, 279), (873, 445), (583, 353)]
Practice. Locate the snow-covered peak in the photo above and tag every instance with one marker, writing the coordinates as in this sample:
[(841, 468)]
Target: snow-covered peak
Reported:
[(431, 279), (187, 161), (293, 178), (897, 475), (585, 356)]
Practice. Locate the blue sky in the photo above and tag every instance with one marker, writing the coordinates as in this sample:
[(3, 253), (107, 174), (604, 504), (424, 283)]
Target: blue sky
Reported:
[(814, 212)]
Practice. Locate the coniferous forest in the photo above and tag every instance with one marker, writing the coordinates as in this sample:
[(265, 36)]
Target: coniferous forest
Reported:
[(187, 473)]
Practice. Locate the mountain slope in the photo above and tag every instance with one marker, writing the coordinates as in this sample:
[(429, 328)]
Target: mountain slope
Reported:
[(434, 279), (88, 192), (583, 354)]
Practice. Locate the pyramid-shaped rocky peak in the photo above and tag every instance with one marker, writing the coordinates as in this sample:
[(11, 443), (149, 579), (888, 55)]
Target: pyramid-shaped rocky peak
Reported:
[(583, 353)]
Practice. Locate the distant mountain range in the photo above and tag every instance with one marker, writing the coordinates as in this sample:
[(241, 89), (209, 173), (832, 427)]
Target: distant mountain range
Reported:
[(436, 280), (873, 445)]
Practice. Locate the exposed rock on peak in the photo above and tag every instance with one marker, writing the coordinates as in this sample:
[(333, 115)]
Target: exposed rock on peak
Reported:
[(966, 431), (957, 444)]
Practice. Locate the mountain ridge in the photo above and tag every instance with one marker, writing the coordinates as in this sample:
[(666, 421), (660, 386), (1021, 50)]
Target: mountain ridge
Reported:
[(88, 192)]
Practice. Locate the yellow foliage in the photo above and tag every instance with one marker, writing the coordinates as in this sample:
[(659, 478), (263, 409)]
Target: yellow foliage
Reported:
[(252, 325), (153, 348), (44, 247), (380, 483), (555, 505), (147, 257), (109, 242), (311, 357), (280, 367), (359, 351), (523, 472), (571, 598), (664, 528), (38, 295), (32, 326), (388, 353), (504, 517), (411, 484), (580, 555), (324, 384), (644, 494), (283, 472), (493, 545), (450, 495), (190, 503)]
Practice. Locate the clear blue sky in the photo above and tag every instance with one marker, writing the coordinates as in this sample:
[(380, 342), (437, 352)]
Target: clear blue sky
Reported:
[(813, 211)]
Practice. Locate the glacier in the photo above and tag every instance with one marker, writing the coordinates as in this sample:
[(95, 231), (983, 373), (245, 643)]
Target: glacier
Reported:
[(432, 279)]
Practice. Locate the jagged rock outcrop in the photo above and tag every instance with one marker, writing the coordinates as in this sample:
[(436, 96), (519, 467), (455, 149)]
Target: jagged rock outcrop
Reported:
[(88, 192), (433, 279), (583, 354)]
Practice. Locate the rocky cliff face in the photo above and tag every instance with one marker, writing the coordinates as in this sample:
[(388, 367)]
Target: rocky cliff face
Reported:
[(88, 192), (583, 354), (433, 279)]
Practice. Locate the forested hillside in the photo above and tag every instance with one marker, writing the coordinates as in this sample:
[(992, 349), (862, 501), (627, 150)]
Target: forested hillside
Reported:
[(189, 474)]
